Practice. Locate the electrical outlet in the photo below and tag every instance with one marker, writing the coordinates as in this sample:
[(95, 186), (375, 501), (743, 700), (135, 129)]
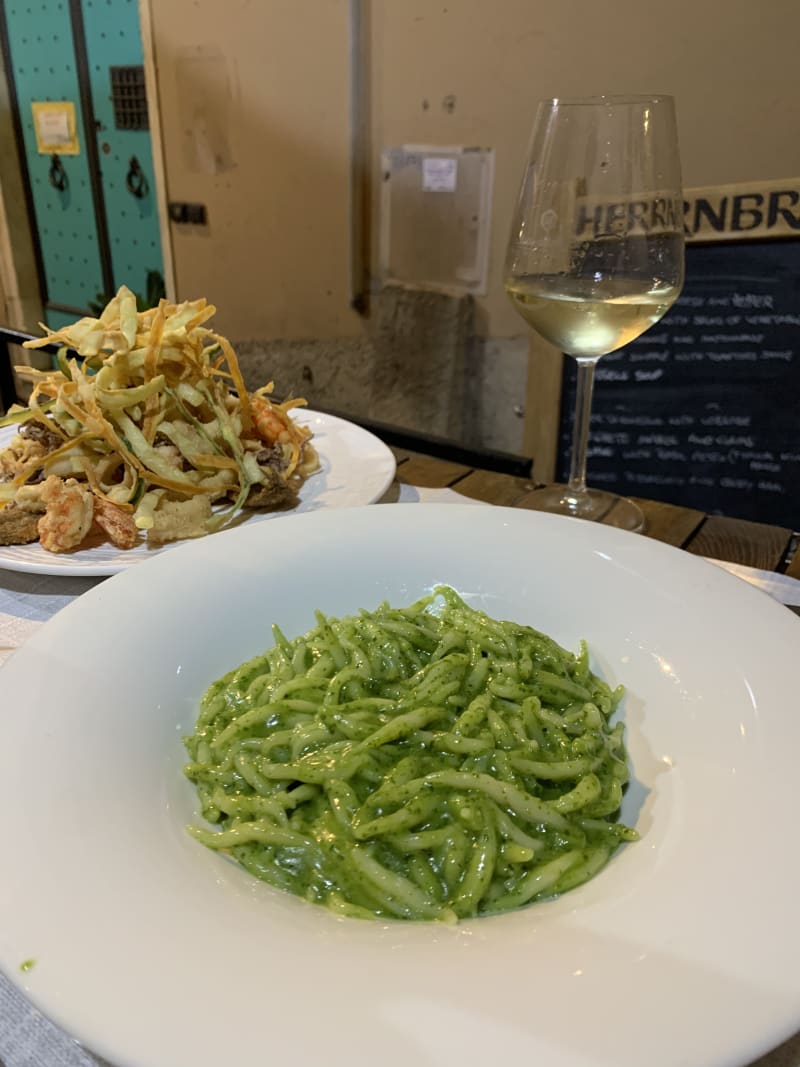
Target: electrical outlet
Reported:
[(183, 212)]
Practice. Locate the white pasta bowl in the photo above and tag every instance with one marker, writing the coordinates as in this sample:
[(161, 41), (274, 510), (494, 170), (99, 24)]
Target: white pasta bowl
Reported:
[(153, 951)]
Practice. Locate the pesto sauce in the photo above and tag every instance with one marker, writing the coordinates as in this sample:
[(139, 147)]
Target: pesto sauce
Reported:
[(410, 764)]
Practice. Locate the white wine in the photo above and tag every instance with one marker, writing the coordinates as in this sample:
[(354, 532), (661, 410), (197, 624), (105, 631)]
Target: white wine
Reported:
[(587, 318)]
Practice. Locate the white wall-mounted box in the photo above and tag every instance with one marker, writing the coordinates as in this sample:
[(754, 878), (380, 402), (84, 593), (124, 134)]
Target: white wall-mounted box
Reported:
[(435, 216)]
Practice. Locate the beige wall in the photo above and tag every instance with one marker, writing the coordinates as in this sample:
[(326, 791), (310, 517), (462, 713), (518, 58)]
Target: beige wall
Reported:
[(254, 112), (731, 64), (254, 100)]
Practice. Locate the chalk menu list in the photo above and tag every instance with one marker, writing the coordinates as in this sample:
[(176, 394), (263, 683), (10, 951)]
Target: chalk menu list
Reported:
[(704, 409)]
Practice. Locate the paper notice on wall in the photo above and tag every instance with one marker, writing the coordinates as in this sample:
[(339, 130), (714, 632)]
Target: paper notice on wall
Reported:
[(439, 174), (54, 125)]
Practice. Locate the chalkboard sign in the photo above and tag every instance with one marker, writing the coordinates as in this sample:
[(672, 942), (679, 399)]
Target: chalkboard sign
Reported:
[(704, 409)]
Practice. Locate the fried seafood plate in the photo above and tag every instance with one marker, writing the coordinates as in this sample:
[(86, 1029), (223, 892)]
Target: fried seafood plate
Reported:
[(145, 430)]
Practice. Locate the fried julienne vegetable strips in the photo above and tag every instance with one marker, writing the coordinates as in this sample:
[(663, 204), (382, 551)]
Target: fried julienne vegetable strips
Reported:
[(152, 429)]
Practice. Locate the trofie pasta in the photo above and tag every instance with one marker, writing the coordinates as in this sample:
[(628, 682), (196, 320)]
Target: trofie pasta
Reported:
[(426, 762)]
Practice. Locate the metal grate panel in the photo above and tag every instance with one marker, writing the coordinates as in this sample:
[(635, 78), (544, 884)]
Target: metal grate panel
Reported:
[(129, 98)]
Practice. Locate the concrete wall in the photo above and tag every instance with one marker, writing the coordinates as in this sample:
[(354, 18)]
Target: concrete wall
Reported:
[(420, 365)]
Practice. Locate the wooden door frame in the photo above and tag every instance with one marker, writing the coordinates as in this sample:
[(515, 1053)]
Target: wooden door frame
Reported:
[(159, 166), (21, 265)]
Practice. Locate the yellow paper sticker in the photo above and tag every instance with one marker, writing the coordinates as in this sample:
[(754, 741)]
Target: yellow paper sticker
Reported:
[(54, 123)]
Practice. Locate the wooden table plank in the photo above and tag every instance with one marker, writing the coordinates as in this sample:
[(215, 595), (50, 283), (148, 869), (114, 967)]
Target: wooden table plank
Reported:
[(665, 522), (669, 523), (401, 454), (752, 544), (429, 473), (528, 500), (740, 541), (793, 568), (501, 489)]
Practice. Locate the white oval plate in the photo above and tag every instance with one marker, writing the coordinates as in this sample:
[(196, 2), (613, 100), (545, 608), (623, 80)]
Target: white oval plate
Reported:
[(356, 468), (154, 951)]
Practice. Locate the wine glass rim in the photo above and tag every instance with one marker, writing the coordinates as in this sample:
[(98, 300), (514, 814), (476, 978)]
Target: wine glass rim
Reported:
[(610, 99)]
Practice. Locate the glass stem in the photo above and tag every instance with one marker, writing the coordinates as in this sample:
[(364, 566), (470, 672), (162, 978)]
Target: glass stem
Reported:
[(580, 430)]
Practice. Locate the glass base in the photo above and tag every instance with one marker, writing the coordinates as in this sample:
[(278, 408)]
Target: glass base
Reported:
[(593, 504)]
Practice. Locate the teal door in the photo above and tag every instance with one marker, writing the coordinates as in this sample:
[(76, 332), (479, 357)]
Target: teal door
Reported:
[(114, 55), (93, 211)]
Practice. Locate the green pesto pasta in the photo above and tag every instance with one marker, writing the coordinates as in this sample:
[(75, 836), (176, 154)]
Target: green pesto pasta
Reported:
[(427, 762)]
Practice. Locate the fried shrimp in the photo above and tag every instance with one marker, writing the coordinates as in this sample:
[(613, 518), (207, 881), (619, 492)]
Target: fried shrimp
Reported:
[(69, 514), (117, 523), (269, 427)]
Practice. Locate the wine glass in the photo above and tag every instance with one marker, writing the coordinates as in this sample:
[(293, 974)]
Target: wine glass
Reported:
[(595, 255)]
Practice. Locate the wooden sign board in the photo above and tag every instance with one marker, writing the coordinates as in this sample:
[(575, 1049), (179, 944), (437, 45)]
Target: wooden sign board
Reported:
[(746, 211), (716, 213)]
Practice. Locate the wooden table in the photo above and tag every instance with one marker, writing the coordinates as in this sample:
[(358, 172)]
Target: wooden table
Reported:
[(753, 544)]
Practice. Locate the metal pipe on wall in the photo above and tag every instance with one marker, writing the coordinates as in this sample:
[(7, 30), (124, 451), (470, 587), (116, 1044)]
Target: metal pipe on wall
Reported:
[(360, 203)]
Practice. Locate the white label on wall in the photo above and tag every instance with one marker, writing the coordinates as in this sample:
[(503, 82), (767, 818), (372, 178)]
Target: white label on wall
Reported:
[(53, 127), (439, 175)]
